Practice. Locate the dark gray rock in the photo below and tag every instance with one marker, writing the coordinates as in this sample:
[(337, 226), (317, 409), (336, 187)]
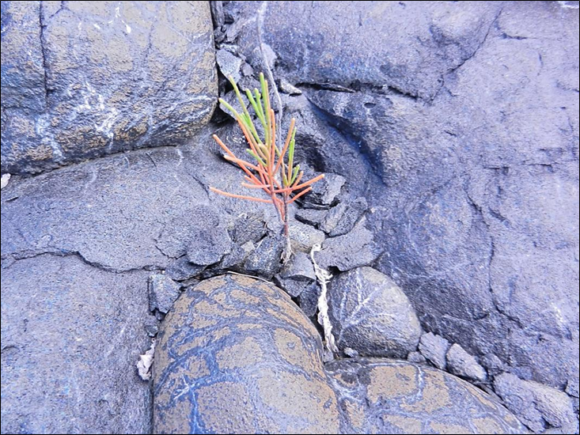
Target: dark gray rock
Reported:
[(182, 269), (372, 315), (308, 300), (382, 396), (311, 216), (151, 330), (249, 228), (237, 257), (324, 192), (163, 292), (299, 267), (71, 335), (297, 275), (266, 259), (460, 363), (342, 218), (535, 404), (444, 37), (355, 249), (210, 240), (83, 80), (492, 364), (434, 348)]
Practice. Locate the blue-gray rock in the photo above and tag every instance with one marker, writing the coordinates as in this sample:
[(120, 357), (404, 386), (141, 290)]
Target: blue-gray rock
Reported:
[(460, 363), (182, 269), (342, 218), (249, 228), (434, 348), (536, 405), (416, 357), (324, 192), (266, 259), (209, 240), (297, 275), (311, 216), (355, 249), (304, 237), (163, 291), (382, 396), (478, 218), (81, 80), (308, 299), (372, 315), (71, 334)]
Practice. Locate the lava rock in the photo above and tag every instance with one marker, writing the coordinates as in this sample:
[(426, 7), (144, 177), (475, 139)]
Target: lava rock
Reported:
[(416, 358), (308, 300), (250, 359), (303, 236), (229, 64), (343, 217), (182, 269), (355, 249), (372, 315), (210, 240), (297, 275), (311, 216), (460, 363), (434, 349), (163, 291), (266, 259), (535, 404), (473, 213), (249, 228), (414, 399), (324, 192), (94, 74), (68, 357)]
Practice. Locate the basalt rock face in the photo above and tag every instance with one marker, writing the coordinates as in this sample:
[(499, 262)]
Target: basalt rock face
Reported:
[(71, 334), (81, 80), (458, 124)]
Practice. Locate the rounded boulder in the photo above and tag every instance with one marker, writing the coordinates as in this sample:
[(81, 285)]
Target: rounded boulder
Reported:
[(236, 355)]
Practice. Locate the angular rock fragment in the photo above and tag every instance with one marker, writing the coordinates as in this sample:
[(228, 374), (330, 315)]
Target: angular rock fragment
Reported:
[(461, 363), (434, 348), (163, 291)]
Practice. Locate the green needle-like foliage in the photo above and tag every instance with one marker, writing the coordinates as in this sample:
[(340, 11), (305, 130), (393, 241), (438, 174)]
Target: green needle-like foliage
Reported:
[(272, 170)]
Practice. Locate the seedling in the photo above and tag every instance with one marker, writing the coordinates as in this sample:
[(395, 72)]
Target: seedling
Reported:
[(274, 171)]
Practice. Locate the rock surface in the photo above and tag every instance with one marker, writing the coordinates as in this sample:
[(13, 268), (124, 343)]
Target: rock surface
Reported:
[(372, 315), (536, 405), (235, 355), (434, 349), (379, 396), (71, 334), (81, 80), (458, 124), (163, 292), (460, 363), (355, 249)]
